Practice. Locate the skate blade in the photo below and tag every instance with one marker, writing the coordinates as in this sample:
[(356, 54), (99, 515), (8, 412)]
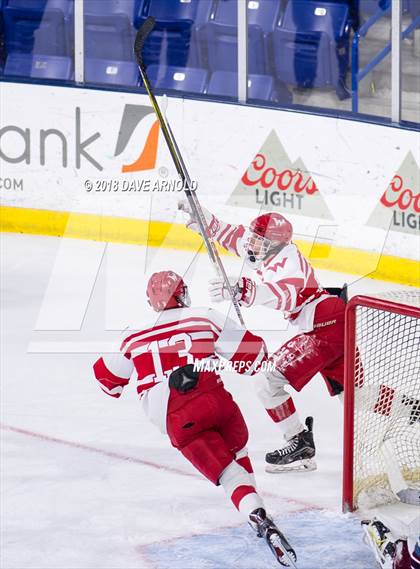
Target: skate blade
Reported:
[(284, 557), (289, 563), (301, 466)]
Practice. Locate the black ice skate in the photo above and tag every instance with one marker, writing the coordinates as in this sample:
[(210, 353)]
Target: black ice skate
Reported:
[(266, 528), (298, 454)]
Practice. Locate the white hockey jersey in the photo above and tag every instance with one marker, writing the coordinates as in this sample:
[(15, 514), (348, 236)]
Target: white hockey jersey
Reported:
[(176, 338), (288, 282)]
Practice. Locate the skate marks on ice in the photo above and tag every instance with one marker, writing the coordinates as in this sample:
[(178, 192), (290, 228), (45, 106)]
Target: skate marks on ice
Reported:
[(322, 540)]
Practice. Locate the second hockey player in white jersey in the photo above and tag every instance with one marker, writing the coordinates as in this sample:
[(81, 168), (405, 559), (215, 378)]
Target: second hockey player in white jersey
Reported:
[(287, 283), (192, 407)]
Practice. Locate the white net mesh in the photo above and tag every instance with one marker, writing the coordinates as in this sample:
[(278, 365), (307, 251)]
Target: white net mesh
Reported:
[(387, 401)]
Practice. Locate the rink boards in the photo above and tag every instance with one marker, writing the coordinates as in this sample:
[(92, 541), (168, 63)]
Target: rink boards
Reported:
[(351, 189)]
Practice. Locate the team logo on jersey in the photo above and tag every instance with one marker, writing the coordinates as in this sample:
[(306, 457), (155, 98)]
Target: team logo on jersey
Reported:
[(131, 118), (275, 266), (273, 182), (399, 207)]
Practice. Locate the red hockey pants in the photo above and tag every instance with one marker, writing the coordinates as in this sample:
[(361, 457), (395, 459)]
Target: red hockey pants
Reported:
[(208, 429), (320, 350)]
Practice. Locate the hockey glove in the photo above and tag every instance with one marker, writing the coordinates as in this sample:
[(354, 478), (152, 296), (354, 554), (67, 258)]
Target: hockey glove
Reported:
[(211, 221), (243, 290)]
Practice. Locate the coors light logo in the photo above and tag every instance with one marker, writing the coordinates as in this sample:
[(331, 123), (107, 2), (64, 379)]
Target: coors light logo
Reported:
[(399, 207), (272, 182)]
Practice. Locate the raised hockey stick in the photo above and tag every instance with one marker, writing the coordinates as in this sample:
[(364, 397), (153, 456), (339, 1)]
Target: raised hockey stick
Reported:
[(141, 37)]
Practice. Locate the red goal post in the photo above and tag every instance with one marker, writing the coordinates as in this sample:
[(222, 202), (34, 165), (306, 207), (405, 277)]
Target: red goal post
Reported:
[(382, 398)]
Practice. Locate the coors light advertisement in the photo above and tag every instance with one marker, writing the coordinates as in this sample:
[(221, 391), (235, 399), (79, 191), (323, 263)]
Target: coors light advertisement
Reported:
[(399, 207), (273, 183)]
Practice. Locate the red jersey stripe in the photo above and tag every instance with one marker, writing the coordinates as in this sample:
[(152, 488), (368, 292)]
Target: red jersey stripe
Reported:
[(167, 325)]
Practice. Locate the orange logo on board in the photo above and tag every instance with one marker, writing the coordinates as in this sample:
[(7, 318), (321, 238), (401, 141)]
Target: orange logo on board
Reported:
[(132, 117)]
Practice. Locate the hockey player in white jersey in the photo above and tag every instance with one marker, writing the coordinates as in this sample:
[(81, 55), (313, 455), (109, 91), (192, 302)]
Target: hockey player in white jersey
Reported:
[(192, 407), (286, 283)]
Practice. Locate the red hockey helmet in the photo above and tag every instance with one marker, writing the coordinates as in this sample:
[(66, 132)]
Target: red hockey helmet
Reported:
[(166, 290), (267, 234), (272, 226)]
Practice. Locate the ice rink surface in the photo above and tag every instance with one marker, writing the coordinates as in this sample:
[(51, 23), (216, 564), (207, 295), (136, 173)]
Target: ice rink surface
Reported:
[(87, 481)]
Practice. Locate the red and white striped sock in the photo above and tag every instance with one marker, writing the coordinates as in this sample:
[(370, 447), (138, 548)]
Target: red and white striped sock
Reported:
[(243, 460), (239, 486)]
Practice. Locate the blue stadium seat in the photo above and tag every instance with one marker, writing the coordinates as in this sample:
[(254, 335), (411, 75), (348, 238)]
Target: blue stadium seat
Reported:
[(316, 16), (111, 72), (108, 37), (184, 79), (110, 7), (263, 13), (33, 31), (168, 44), (66, 6), (172, 42), (354, 11), (220, 42), (260, 87), (39, 66), (311, 48), (197, 11)]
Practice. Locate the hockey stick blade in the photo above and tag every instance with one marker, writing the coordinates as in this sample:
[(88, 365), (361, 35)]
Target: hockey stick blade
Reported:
[(141, 36)]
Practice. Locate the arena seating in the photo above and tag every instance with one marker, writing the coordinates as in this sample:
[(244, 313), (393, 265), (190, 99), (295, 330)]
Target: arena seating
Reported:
[(260, 13), (193, 11), (221, 44), (111, 72), (221, 32), (260, 87), (107, 7), (109, 37), (34, 31), (39, 66), (38, 26), (220, 83), (312, 44), (289, 40), (66, 6), (177, 23), (185, 79), (264, 14)]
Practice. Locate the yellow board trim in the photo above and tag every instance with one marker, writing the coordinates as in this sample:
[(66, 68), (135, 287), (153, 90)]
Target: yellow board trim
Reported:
[(176, 236)]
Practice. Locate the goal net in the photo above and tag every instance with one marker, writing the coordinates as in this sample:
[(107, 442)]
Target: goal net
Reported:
[(382, 400)]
